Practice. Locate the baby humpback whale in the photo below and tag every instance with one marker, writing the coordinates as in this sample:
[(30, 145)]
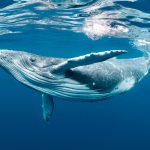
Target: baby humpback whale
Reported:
[(91, 77)]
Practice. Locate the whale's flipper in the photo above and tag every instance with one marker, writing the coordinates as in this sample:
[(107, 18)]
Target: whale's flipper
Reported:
[(47, 106), (87, 60)]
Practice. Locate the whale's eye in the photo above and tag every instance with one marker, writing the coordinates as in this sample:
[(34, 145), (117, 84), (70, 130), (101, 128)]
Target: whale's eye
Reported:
[(32, 59)]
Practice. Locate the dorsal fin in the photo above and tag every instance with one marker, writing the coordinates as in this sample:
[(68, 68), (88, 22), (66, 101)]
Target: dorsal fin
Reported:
[(87, 60)]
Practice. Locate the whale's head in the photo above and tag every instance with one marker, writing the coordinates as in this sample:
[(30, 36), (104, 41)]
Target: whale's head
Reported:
[(28, 68), (13, 58)]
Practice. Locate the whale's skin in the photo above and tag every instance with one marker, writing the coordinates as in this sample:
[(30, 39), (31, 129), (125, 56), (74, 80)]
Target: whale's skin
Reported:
[(92, 82)]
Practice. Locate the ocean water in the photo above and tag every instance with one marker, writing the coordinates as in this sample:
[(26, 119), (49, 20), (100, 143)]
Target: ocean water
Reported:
[(69, 28)]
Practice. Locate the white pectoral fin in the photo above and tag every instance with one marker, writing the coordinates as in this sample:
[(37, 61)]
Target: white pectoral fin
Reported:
[(47, 106), (87, 60)]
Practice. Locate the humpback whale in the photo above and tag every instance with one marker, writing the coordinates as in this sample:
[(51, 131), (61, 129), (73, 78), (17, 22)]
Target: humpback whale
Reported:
[(91, 77)]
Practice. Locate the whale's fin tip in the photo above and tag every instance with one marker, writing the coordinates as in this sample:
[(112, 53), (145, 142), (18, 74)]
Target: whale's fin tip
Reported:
[(87, 60), (47, 106)]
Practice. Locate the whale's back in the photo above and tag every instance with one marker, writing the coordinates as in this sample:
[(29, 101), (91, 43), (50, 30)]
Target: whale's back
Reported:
[(106, 76)]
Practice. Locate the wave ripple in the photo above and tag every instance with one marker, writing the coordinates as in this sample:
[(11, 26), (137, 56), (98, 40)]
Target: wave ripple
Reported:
[(95, 19)]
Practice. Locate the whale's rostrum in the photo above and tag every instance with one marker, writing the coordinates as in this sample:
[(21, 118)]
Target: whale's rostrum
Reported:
[(90, 77)]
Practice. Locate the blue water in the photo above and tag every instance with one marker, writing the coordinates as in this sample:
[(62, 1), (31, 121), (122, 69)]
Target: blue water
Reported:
[(68, 29)]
